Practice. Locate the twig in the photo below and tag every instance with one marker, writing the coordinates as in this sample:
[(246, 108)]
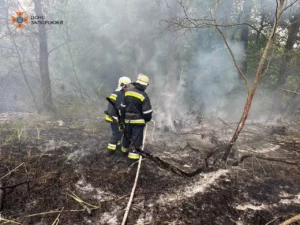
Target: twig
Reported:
[(53, 212), (289, 5), (53, 49), (72, 210), (79, 200), (9, 221), (294, 92), (187, 145), (291, 220), (192, 148), (234, 60), (273, 220), (286, 161), (11, 171), (77, 79), (22, 68), (15, 185), (56, 221)]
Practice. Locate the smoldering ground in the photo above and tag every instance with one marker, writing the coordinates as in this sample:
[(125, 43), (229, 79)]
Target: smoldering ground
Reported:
[(62, 165)]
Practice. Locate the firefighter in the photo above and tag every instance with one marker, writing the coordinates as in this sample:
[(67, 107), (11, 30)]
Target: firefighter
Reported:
[(136, 111), (117, 97)]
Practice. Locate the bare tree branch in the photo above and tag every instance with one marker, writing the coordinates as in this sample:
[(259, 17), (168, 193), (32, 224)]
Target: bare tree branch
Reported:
[(193, 23), (230, 51), (234, 60), (53, 49), (290, 91), (289, 5), (22, 69)]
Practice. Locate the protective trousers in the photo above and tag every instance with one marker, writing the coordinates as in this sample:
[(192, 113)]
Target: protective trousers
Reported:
[(116, 136), (135, 135)]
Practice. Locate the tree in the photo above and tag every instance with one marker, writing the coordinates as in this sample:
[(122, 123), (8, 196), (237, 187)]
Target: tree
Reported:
[(47, 101), (259, 73), (188, 22)]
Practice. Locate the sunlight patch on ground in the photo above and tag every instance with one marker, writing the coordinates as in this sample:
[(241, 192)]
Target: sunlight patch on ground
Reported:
[(199, 186)]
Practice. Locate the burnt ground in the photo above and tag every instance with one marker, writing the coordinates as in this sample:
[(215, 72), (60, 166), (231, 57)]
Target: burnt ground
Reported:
[(44, 163)]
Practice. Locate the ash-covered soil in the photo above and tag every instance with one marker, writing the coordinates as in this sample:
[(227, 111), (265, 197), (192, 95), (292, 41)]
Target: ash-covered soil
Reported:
[(59, 172)]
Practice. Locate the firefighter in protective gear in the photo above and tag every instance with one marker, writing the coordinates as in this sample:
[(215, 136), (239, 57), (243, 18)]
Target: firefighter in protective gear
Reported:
[(136, 111), (117, 97)]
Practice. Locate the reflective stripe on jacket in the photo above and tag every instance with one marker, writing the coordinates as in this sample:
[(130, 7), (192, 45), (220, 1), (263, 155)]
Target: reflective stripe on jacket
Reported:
[(136, 107), (117, 97)]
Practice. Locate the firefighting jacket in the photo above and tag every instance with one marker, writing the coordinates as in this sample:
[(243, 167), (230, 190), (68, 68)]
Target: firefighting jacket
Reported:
[(117, 97), (136, 107)]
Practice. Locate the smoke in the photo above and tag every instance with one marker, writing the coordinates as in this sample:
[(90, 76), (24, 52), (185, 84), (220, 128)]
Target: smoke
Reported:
[(216, 77), (110, 39)]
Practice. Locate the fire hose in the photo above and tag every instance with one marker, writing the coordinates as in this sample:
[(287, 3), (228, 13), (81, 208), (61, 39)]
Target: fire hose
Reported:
[(135, 181), (161, 163)]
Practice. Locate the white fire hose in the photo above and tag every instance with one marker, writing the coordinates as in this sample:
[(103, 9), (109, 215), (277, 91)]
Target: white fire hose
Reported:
[(137, 175)]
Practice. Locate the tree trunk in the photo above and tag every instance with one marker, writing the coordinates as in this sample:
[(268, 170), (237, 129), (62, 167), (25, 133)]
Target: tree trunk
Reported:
[(47, 102), (245, 32), (292, 39), (258, 76)]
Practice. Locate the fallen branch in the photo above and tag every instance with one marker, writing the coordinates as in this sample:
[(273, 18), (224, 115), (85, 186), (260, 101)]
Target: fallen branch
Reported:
[(286, 161), (11, 171), (165, 165), (291, 220)]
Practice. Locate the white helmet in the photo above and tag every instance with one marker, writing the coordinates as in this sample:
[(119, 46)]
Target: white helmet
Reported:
[(143, 79), (124, 81)]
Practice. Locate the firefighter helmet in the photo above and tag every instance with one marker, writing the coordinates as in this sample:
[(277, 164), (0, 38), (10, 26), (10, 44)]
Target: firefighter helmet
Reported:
[(124, 81), (143, 79)]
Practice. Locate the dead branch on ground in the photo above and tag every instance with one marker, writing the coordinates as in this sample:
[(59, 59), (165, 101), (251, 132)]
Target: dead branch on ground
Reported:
[(295, 162), (291, 220)]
